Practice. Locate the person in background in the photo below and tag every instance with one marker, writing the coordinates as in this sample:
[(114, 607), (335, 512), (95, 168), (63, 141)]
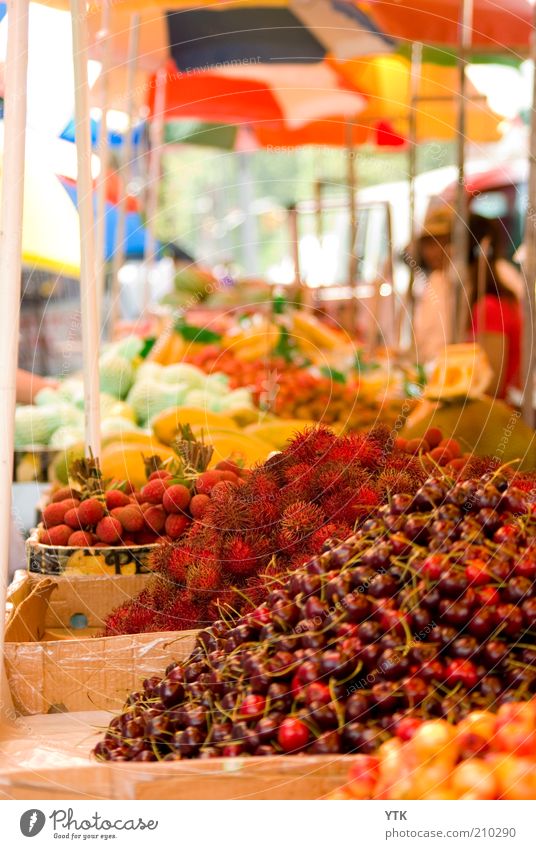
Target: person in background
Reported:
[(434, 312), (28, 385), (496, 316)]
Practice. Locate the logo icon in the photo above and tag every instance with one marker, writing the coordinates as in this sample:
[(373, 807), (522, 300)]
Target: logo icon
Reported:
[(32, 822)]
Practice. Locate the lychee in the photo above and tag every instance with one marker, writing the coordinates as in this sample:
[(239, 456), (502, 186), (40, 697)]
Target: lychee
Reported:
[(176, 498), (90, 512), (115, 498), (109, 530), (153, 492)]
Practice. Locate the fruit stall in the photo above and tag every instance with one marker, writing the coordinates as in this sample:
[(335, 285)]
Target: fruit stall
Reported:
[(267, 562)]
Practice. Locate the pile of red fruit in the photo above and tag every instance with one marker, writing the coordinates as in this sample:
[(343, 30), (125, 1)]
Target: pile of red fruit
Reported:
[(160, 512), (290, 390), (485, 756), (428, 611), (268, 523)]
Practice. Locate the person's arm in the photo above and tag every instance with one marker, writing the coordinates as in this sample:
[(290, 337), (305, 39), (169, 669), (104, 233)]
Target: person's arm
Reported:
[(28, 385)]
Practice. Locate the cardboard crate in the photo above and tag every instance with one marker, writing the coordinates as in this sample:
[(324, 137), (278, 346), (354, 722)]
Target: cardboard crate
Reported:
[(53, 665)]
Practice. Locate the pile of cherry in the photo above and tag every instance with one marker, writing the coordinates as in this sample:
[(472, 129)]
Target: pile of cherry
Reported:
[(428, 611)]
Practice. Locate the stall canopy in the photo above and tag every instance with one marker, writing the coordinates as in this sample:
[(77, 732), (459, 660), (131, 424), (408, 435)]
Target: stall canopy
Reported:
[(498, 25), (50, 223)]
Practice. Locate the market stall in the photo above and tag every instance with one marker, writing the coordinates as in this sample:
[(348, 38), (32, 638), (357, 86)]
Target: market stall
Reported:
[(321, 584)]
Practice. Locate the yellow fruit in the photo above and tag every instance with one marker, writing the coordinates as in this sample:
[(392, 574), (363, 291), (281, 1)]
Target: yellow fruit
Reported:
[(166, 425), (124, 461), (126, 436), (244, 416), (176, 349), (462, 372), (277, 433), (322, 336), (243, 447), (121, 410)]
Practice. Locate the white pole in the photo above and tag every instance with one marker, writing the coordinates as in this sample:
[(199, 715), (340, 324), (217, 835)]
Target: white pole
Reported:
[(11, 251), (246, 192), (155, 159), (125, 173), (461, 223), (529, 264), (100, 224), (88, 280)]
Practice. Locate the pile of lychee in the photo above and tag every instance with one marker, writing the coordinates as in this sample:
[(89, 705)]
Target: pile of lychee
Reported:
[(121, 516)]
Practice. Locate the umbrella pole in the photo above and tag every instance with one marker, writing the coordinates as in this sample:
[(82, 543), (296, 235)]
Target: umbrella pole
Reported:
[(125, 172), (11, 246), (88, 280), (529, 264), (461, 223), (100, 224), (415, 80), (352, 257), (155, 160)]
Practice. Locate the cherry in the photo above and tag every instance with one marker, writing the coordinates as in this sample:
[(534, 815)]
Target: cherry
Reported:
[(393, 665), (325, 716), (317, 692), (267, 727), (220, 732), (511, 619), (329, 743), (461, 672), (369, 632), (293, 735), (252, 706), (170, 693), (517, 589), (465, 648), (482, 622), (407, 726), (455, 612), (415, 689), (452, 584), (526, 567), (433, 566), (358, 738), (385, 695), (356, 606), (187, 742), (476, 572), (528, 609), (493, 652), (357, 707), (232, 750)]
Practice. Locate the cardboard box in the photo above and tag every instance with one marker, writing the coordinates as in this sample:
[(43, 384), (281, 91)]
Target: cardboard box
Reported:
[(52, 665)]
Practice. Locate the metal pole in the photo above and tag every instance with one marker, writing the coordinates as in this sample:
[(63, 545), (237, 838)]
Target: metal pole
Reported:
[(84, 186), (460, 229), (249, 225), (100, 223), (11, 247), (155, 160), (529, 264), (352, 247), (125, 172), (414, 85)]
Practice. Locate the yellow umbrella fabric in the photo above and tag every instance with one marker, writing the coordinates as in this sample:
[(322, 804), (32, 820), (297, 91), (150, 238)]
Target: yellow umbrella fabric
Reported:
[(385, 80), (50, 230)]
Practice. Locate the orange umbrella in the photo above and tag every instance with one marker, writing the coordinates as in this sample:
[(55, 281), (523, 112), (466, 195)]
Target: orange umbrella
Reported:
[(498, 25)]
